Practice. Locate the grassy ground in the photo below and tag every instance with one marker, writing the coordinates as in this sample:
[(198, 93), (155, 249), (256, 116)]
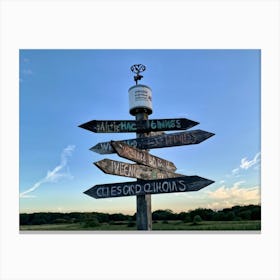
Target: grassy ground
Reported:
[(207, 225), (157, 226)]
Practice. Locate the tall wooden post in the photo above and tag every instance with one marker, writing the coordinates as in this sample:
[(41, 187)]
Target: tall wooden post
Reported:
[(140, 104), (144, 212)]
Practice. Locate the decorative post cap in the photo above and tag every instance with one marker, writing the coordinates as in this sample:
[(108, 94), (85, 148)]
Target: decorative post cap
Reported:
[(137, 68)]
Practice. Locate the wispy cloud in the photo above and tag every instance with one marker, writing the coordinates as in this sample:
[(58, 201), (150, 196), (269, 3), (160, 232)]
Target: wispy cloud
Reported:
[(25, 69), (234, 171), (27, 72), (245, 164), (54, 175)]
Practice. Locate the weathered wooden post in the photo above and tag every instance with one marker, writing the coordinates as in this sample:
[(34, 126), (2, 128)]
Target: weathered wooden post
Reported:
[(140, 103), (143, 202)]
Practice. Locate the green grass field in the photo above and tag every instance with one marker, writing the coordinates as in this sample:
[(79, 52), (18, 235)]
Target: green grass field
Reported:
[(157, 226)]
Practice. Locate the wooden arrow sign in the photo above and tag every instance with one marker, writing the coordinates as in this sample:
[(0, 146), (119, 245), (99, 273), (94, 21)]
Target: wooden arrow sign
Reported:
[(142, 157), (180, 184), (133, 170), (161, 141), (142, 126)]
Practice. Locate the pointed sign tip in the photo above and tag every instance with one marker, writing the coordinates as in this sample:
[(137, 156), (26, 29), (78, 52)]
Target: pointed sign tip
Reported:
[(209, 182), (208, 134), (84, 125), (95, 148), (99, 164), (88, 126)]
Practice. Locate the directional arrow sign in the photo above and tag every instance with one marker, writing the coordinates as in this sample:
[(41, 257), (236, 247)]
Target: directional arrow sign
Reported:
[(133, 170), (161, 141), (142, 157), (103, 126), (180, 184)]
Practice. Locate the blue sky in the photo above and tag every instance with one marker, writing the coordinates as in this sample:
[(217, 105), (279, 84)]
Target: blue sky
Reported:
[(61, 89)]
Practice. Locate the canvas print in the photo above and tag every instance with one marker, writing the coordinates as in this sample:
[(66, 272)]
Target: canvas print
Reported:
[(140, 140)]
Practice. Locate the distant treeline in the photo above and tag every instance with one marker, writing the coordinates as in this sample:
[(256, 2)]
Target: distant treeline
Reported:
[(236, 213)]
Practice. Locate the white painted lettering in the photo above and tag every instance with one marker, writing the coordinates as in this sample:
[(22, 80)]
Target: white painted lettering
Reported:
[(138, 189), (182, 186), (174, 187), (147, 188), (165, 186), (99, 192), (119, 190), (114, 191), (126, 190)]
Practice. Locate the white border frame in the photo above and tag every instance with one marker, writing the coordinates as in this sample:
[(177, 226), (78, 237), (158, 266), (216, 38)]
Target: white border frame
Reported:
[(164, 24)]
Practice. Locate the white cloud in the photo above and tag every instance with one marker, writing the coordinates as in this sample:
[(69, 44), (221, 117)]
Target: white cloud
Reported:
[(235, 195), (245, 164), (54, 175), (28, 196), (237, 184), (219, 205), (24, 73), (27, 72), (235, 171)]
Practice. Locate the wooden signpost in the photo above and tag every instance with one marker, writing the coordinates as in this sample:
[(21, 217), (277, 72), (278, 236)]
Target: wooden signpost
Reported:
[(161, 141), (154, 175), (108, 126), (133, 170), (142, 157), (180, 184)]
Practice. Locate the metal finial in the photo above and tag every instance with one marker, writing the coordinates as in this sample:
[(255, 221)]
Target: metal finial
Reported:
[(137, 68)]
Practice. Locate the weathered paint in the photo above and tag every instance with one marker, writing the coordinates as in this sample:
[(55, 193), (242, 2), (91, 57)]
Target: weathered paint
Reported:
[(142, 157), (161, 141), (180, 184), (110, 126), (133, 170)]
